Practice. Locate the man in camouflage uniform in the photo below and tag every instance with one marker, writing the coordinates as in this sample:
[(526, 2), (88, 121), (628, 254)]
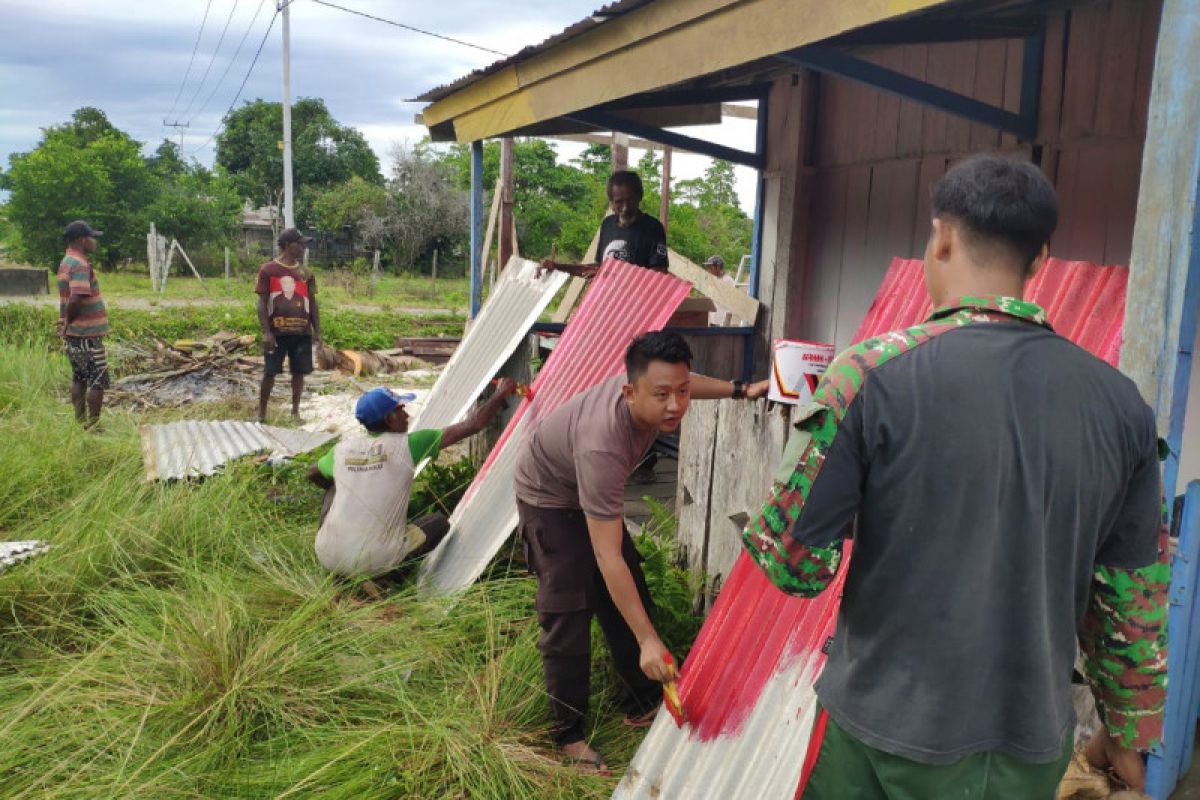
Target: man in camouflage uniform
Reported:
[(1005, 492)]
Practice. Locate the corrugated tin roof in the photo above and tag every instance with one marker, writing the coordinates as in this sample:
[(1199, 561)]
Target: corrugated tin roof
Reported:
[(515, 303), (622, 302), (193, 448), (612, 9), (14, 552), (747, 685)]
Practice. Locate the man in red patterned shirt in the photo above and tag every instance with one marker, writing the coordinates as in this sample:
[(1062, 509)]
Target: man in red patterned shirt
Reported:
[(287, 311)]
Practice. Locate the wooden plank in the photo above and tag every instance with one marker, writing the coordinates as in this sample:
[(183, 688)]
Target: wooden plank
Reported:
[(962, 80), (854, 255), (575, 288), (1147, 45), (1163, 241), (1014, 54), (697, 441), (1080, 86), (749, 441), (725, 295), (1124, 169), (931, 170), (859, 133), (830, 118), (990, 67), (1092, 199), (909, 136), (886, 123), (1049, 105), (1064, 243), (823, 276), (486, 250), (1118, 69), (934, 123)]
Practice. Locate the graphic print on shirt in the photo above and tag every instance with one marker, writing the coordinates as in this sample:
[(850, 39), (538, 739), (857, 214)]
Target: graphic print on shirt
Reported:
[(287, 303), (618, 249), (371, 459)]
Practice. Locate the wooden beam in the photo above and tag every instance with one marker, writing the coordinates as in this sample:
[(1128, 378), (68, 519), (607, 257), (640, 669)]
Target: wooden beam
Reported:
[(725, 295), (651, 47), (507, 233), (664, 206), (485, 254), (604, 138), (740, 112), (576, 286), (1164, 268), (620, 151)]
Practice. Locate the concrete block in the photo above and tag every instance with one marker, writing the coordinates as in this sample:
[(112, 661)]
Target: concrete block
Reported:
[(24, 280)]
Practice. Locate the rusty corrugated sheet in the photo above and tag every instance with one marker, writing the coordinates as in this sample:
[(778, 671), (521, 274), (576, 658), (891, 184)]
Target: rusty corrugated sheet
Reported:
[(747, 685), (193, 448), (513, 306), (15, 552), (622, 302)]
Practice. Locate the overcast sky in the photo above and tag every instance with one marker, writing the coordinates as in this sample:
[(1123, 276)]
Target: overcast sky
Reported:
[(130, 59)]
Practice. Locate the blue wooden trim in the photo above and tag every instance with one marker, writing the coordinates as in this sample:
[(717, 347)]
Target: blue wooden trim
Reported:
[(612, 122), (1171, 758), (476, 226), (843, 65), (1183, 354)]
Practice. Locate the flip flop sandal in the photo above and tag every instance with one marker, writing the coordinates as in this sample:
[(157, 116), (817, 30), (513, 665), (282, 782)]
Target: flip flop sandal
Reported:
[(593, 765), (643, 720)]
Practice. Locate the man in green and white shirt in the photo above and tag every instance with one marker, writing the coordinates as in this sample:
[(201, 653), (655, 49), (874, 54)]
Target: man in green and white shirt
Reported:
[(366, 532)]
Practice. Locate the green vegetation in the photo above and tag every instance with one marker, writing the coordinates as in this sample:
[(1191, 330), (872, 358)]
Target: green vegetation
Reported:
[(180, 640)]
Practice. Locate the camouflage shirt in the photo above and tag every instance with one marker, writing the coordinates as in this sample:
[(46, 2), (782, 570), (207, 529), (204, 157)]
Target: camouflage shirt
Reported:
[(1004, 489)]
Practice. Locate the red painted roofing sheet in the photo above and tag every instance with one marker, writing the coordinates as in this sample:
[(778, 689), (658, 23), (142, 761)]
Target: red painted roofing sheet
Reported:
[(622, 302), (747, 684)]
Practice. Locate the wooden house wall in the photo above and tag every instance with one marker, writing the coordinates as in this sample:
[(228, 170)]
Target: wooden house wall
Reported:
[(866, 167), (876, 157)]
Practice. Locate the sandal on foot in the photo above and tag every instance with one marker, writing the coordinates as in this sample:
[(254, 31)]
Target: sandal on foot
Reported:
[(642, 720), (589, 765)]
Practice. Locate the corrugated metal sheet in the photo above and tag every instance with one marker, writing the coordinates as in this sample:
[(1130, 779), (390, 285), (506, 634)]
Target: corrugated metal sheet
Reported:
[(14, 552), (193, 448), (747, 685), (622, 302), (513, 306)]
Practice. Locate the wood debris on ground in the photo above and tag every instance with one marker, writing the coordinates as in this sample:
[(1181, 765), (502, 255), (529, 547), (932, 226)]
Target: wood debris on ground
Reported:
[(367, 362)]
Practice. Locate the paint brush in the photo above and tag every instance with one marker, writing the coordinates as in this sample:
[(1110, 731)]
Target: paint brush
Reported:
[(522, 390), (671, 697)]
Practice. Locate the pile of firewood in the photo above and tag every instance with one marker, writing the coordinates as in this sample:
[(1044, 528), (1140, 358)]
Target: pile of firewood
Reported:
[(223, 353), (366, 362)]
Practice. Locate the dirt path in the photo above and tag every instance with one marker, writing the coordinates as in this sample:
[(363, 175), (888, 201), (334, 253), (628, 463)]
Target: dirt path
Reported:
[(147, 304)]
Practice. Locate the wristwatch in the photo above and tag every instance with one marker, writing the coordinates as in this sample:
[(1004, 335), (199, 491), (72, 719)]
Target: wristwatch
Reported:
[(739, 390)]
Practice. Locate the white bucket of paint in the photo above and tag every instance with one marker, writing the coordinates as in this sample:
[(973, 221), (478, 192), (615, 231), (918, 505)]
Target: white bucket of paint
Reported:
[(796, 368)]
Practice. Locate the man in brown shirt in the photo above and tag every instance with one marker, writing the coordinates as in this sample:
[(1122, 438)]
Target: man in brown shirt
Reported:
[(569, 483)]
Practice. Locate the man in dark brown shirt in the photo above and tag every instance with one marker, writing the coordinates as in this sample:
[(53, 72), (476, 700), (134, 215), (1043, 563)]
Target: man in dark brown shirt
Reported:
[(570, 483)]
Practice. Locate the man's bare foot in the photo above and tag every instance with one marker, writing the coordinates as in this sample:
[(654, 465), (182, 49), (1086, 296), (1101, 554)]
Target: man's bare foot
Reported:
[(584, 758)]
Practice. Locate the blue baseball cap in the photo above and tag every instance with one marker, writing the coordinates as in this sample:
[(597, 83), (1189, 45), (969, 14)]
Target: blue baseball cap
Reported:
[(376, 404)]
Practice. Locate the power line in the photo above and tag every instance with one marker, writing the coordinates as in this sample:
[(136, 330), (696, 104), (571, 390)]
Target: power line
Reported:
[(195, 47), (411, 28), (207, 69), (232, 60), (229, 110)]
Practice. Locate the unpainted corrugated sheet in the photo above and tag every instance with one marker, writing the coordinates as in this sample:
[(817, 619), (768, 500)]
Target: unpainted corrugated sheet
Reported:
[(513, 306), (622, 302), (193, 448), (15, 552), (747, 685)]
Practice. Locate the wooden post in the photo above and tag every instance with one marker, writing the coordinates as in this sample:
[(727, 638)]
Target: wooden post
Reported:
[(507, 233), (433, 279), (151, 260), (1164, 267), (176, 245), (486, 252), (664, 208), (374, 272), (620, 151), (226, 263)]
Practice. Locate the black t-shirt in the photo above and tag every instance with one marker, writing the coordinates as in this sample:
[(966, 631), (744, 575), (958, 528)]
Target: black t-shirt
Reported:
[(644, 243)]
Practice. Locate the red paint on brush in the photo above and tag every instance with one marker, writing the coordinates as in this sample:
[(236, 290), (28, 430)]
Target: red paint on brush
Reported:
[(754, 630)]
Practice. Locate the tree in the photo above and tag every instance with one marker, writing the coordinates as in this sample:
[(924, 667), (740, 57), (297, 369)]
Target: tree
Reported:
[(85, 169), (424, 209), (356, 207), (324, 152)]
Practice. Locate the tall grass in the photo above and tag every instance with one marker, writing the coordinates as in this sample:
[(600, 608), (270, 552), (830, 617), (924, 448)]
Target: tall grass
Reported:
[(180, 640)]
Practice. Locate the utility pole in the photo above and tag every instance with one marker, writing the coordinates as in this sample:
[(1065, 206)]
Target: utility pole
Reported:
[(177, 124), (289, 217)]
